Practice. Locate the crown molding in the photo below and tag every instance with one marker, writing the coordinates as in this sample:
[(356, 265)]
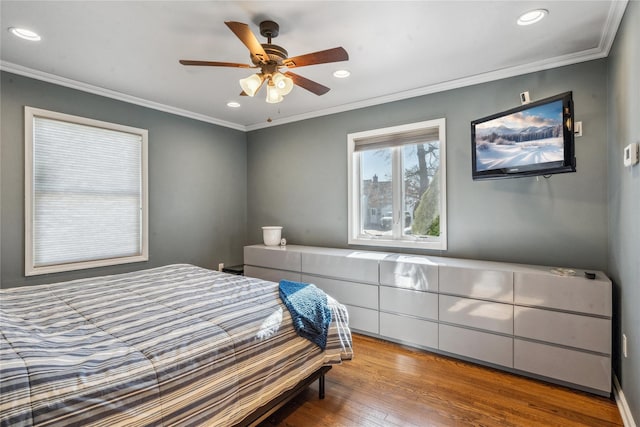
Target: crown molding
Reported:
[(96, 90), (611, 25), (560, 61), (588, 55)]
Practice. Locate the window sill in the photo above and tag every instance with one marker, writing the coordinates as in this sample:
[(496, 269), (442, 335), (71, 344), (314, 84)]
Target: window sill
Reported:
[(59, 268), (439, 245)]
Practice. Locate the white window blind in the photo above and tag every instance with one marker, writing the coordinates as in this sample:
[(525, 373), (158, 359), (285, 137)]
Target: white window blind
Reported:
[(397, 139), (87, 193)]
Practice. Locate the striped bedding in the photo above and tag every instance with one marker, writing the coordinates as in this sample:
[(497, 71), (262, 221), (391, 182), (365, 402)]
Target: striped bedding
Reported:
[(174, 345)]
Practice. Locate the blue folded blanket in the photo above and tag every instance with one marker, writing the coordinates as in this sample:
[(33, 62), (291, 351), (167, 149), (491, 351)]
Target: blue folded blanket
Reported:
[(309, 310)]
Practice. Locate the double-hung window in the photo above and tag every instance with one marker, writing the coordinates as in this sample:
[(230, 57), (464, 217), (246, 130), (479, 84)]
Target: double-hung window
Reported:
[(86, 193), (397, 186)]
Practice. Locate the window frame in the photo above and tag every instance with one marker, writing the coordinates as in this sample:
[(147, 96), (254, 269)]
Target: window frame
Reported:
[(354, 190), (30, 113)]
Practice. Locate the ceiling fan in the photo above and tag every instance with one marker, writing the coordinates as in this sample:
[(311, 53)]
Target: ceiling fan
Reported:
[(270, 58)]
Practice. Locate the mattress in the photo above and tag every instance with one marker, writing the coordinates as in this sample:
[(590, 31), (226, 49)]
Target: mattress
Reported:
[(174, 345)]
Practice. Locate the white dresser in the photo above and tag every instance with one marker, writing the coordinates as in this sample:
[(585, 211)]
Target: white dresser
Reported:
[(514, 317)]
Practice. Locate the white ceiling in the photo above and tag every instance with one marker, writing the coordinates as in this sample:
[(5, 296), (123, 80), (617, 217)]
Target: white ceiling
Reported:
[(129, 50)]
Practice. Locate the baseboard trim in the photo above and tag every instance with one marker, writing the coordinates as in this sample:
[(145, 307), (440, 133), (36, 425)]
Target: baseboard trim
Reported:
[(621, 401)]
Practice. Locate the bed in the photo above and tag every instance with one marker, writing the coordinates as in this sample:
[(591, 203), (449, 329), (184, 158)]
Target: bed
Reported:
[(174, 345)]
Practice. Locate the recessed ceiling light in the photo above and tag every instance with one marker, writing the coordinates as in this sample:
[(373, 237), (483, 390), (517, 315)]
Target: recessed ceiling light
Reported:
[(532, 16), (233, 104), (23, 33), (341, 74)]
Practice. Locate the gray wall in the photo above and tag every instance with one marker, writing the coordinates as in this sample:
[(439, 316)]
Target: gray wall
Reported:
[(624, 200), (197, 180), (297, 175)]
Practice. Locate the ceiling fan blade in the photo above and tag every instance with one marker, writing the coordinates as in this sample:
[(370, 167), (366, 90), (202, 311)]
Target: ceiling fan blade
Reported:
[(247, 37), (307, 84), (336, 54), (214, 63)]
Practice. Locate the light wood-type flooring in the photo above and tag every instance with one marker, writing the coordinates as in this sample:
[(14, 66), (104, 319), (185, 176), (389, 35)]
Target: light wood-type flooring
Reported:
[(390, 385)]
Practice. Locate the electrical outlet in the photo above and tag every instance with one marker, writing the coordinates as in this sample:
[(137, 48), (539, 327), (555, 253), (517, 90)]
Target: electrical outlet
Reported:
[(624, 345)]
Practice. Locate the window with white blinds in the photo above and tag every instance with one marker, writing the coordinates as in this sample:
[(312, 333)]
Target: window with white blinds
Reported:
[(86, 193)]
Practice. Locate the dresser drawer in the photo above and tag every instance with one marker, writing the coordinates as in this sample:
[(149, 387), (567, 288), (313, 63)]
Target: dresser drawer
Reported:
[(359, 267), (272, 257), (404, 301), (573, 366), (409, 272), (576, 294), (484, 346), (409, 330), (571, 330), (363, 319), (476, 283), (270, 274), (352, 293), (492, 316)]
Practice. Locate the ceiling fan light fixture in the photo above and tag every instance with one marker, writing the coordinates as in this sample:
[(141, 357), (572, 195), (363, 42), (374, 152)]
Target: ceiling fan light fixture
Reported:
[(251, 84), (282, 83), (273, 94)]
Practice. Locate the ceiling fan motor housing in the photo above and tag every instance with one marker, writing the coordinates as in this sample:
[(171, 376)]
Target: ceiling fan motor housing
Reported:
[(269, 58), (276, 53)]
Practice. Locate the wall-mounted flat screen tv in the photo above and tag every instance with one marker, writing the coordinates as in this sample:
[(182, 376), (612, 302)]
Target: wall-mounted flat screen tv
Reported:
[(530, 140)]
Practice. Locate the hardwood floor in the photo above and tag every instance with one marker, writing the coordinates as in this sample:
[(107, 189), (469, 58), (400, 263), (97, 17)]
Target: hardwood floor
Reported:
[(390, 385)]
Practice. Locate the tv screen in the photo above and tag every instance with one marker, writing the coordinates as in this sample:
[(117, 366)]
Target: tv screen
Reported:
[(529, 140)]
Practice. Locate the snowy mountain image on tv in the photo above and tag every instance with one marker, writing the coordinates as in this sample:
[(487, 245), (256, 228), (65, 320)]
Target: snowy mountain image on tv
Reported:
[(524, 138)]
